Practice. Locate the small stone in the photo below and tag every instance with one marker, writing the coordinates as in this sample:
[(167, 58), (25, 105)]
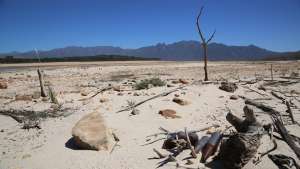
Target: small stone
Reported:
[(120, 94), (234, 97), (1, 130), (183, 81), (3, 85), (180, 101), (84, 93), (23, 97), (135, 112), (168, 113), (136, 94), (102, 100), (26, 156), (176, 95), (175, 81), (169, 85)]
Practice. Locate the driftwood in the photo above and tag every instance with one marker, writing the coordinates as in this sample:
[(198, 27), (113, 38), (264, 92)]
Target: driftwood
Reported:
[(261, 155), (151, 98), (190, 144), (254, 90), (159, 154), (286, 136), (201, 143), (278, 124), (41, 79), (166, 132), (283, 161), (21, 116), (289, 111), (98, 92), (263, 107), (275, 94), (242, 146)]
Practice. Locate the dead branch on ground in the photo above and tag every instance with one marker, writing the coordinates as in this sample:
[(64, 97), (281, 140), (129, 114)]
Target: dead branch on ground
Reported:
[(98, 92), (151, 98), (190, 144)]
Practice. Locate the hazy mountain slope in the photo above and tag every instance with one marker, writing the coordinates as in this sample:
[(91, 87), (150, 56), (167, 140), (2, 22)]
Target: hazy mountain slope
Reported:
[(182, 50)]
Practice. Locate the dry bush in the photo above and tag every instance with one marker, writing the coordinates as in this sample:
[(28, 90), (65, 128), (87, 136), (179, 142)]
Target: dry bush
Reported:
[(146, 83)]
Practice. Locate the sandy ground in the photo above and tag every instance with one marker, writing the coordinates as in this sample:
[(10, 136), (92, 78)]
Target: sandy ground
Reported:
[(47, 148)]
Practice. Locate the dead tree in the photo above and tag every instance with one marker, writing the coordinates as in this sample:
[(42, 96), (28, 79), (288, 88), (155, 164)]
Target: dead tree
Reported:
[(204, 43)]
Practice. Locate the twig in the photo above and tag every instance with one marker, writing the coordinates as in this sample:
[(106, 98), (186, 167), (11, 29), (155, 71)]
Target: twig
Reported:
[(277, 96), (160, 155), (189, 143), (153, 141), (166, 132), (113, 148), (289, 111), (169, 159), (98, 92), (151, 98), (116, 138), (286, 136)]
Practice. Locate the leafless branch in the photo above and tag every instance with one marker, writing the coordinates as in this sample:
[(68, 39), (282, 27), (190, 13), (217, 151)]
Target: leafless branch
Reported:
[(198, 25), (211, 37)]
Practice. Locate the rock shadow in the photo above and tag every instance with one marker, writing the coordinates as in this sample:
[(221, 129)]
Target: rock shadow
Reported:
[(71, 144)]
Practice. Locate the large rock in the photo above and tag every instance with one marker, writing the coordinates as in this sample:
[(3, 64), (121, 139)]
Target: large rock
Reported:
[(228, 87), (90, 132)]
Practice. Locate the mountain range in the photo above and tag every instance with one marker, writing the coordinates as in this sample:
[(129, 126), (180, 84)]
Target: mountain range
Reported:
[(182, 50)]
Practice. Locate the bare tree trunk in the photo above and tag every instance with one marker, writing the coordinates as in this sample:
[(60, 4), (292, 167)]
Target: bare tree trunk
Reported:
[(205, 62), (204, 43), (41, 79)]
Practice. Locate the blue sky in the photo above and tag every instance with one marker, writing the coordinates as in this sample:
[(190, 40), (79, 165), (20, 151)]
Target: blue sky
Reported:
[(47, 24)]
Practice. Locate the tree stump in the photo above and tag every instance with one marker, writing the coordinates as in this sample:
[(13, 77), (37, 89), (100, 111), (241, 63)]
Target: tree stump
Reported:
[(241, 146)]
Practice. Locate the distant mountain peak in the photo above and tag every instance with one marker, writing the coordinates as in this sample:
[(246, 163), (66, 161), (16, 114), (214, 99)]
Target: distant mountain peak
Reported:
[(181, 50)]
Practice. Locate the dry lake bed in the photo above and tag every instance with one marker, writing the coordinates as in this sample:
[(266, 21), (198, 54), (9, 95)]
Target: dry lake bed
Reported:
[(108, 87)]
